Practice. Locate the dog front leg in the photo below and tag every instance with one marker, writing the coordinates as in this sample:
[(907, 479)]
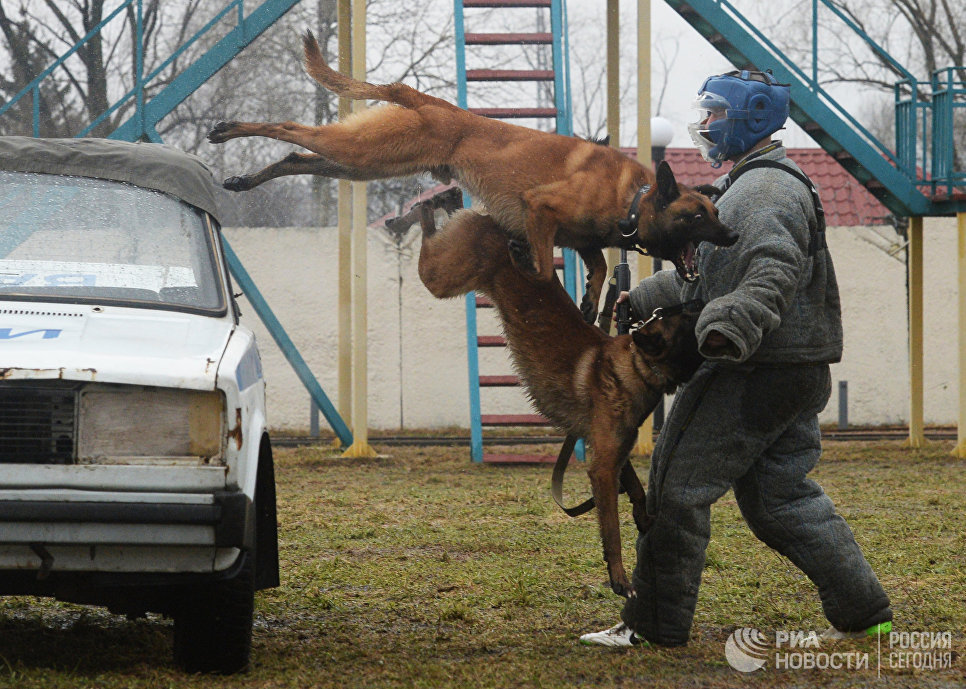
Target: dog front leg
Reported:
[(635, 491), (604, 473), (596, 273), (541, 228)]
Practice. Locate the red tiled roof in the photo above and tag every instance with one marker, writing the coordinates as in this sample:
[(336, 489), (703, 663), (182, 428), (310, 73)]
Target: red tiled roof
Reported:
[(847, 203)]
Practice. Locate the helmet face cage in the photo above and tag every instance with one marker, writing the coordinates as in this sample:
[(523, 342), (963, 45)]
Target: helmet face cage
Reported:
[(736, 111)]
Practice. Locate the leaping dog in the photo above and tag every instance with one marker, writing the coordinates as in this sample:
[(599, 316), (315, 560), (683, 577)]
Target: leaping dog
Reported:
[(587, 383), (550, 189)]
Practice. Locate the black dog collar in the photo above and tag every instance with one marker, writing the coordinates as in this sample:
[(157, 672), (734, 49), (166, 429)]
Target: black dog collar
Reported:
[(628, 226)]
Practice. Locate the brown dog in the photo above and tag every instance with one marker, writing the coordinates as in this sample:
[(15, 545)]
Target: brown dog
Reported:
[(549, 188), (587, 383)]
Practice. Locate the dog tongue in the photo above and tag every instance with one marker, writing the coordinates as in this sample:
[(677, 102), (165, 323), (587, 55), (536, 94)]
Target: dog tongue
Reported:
[(684, 263)]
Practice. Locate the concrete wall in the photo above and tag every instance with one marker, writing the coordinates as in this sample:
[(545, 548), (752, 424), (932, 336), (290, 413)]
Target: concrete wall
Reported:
[(417, 344)]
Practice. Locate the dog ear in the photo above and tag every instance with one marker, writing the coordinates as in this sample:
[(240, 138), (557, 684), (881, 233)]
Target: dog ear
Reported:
[(709, 190), (667, 186), (650, 342)]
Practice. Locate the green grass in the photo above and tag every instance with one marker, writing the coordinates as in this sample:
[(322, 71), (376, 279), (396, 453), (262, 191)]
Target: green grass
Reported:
[(423, 570)]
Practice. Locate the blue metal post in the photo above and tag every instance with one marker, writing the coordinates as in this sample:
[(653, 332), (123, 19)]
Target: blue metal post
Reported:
[(472, 347), (473, 359), (815, 42), (36, 112), (460, 53), (139, 66)]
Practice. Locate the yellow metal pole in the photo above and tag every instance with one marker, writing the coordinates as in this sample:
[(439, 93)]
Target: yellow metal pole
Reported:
[(916, 435), (960, 450), (645, 434), (613, 94), (360, 322), (345, 236)]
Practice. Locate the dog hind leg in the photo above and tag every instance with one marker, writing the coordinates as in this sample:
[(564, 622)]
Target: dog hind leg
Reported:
[(292, 164), (378, 143), (604, 473)]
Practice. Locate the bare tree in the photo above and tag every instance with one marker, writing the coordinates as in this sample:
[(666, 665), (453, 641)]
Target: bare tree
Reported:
[(265, 82)]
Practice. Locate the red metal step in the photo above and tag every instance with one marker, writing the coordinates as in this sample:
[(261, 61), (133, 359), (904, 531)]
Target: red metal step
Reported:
[(491, 341), (499, 458), (514, 420), (508, 113), (509, 38), (509, 75), (506, 3), (499, 381)]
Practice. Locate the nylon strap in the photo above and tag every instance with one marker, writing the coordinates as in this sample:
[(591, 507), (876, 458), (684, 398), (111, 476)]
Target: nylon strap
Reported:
[(556, 481), (816, 242)]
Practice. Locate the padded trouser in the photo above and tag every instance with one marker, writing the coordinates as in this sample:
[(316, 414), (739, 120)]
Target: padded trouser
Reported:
[(754, 429)]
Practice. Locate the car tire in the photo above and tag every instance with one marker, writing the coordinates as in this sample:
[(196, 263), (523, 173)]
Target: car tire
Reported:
[(213, 624)]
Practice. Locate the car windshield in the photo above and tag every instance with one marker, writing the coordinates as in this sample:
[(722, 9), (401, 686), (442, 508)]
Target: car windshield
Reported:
[(78, 239)]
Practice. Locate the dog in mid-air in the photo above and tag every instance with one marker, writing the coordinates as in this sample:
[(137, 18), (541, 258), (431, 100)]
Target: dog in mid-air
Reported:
[(548, 188), (587, 383)]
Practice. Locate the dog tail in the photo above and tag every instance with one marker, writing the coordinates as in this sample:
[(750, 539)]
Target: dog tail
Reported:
[(348, 87)]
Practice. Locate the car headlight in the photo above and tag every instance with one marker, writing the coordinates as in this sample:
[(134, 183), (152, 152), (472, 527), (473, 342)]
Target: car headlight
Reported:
[(128, 423)]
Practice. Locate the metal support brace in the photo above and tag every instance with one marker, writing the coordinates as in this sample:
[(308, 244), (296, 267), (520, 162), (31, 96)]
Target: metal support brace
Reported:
[(916, 434), (645, 434), (960, 449), (360, 402)]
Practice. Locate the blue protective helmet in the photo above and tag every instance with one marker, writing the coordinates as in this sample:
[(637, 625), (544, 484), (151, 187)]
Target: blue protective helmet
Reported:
[(754, 105)]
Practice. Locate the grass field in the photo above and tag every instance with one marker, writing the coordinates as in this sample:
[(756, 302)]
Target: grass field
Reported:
[(421, 570)]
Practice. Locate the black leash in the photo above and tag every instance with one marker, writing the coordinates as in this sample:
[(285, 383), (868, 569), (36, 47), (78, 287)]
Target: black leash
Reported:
[(620, 282), (556, 480)]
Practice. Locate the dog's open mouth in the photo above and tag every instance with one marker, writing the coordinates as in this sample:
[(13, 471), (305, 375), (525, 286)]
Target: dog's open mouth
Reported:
[(685, 263)]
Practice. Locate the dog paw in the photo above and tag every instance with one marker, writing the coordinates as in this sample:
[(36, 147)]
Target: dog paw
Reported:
[(221, 132), (588, 309), (520, 254), (623, 588), (642, 519), (449, 200), (237, 184)]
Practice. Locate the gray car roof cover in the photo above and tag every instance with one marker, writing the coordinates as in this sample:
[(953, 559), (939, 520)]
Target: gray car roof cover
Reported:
[(153, 166)]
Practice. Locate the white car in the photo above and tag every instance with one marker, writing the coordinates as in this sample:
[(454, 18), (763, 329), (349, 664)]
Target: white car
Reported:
[(135, 465)]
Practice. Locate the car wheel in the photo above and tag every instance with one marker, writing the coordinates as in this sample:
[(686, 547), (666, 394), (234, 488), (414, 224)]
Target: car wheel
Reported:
[(213, 624)]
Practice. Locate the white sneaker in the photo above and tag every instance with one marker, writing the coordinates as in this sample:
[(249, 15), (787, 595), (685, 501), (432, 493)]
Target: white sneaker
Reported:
[(873, 631), (619, 635)]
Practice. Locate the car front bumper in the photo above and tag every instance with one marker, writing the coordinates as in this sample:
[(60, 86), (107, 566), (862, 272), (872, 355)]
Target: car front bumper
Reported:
[(60, 530)]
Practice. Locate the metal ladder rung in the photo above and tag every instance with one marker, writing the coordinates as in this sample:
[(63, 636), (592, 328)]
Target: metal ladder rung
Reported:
[(509, 39), (509, 75), (514, 420), (502, 458), (507, 113), (505, 3), (491, 341), (499, 381)]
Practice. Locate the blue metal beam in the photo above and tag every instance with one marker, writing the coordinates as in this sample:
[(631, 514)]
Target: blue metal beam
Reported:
[(182, 86), (715, 20)]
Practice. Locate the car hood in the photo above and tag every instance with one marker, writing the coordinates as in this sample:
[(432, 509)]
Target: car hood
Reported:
[(111, 344)]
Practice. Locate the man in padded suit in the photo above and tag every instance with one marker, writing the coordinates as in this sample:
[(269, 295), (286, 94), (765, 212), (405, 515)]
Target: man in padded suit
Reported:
[(748, 419)]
